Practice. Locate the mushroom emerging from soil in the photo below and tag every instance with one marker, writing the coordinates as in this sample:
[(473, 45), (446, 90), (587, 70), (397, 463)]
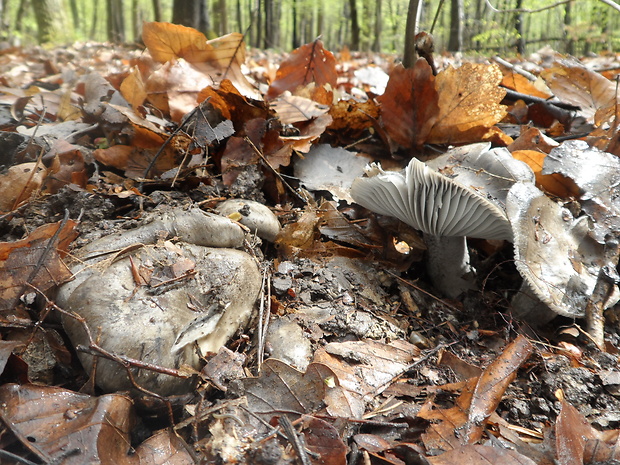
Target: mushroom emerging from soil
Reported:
[(446, 210), (165, 293)]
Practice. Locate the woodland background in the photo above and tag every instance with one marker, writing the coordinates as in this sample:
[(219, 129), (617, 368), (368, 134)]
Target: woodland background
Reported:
[(472, 26)]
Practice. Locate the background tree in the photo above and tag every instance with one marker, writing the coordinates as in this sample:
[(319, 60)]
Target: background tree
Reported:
[(116, 21), (51, 21), (457, 17)]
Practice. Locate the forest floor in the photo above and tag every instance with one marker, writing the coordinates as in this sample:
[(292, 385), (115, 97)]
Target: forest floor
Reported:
[(351, 355)]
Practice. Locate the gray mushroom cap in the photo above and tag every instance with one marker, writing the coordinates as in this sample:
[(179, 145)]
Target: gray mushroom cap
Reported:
[(431, 202)]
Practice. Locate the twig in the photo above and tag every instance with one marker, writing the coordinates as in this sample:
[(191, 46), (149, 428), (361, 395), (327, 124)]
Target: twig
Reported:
[(515, 68), (295, 440), (263, 317), (526, 10), (262, 157), (410, 284)]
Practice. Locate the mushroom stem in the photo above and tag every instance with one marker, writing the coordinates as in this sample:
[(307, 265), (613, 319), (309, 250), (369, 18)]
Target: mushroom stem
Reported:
[(448, 264)]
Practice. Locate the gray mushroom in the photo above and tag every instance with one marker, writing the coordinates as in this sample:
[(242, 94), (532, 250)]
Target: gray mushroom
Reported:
[(447, 210)]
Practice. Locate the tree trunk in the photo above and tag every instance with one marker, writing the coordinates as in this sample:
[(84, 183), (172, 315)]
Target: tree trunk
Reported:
[(269, 24), (51, 23), (204, 24), (187, 13), (239, 17), (157, 10), (116, 21), (519, 29), (376, 45), (457, 17), (355, 26), (410, 55), (296, 42), (75, 15), (568, 21)]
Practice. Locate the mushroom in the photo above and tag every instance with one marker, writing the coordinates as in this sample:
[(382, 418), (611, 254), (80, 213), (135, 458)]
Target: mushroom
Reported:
[(447, 210), (165, 293)]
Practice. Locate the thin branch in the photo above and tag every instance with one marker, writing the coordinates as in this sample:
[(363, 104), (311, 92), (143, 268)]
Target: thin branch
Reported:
[(526, 10)]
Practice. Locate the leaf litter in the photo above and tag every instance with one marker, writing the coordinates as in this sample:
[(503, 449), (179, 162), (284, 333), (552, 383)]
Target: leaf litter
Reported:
[(391, 370)]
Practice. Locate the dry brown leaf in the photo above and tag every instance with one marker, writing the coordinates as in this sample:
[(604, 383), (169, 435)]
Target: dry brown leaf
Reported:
[(480, 455), (533, 139), (478, 400), (410, 104), (166, 42), (492, 384), (310, 63), (469, 104), (18, 183), (572, 431), (293, 109), (579, 86)]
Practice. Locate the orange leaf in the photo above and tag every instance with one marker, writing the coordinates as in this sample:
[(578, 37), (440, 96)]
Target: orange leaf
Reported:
[(409, 106), (309, 63), (469, 105), (555, 184), (520, 83), (133, 88), (167, 41)]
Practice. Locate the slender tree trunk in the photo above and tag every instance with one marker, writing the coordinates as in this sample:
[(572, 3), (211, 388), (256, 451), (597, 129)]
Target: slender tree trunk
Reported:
[(156, 10), (186, 12), (296, 42), (457, 17), (116, 21), (568, 21), (519, 29), (355, 26), (93, 27), (75, 15), (410, 55), (269, 24), (204, 24), (51, 23), (376, 45), (239, 17)]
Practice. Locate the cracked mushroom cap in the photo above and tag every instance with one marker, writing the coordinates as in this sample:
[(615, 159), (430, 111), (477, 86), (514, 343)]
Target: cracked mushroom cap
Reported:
[(431, 202)]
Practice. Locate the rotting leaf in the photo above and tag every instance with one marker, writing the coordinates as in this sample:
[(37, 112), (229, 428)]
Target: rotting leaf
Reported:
[(281, 388), (34, 260), (84, 429), (469, 105), (409, 106), (309, 63), (323, 439)]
